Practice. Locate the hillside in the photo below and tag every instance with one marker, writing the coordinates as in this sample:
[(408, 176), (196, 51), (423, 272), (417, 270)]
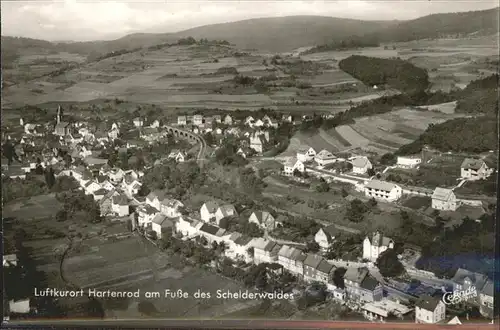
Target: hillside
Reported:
[(484, 22), (279, 34), (476, 135)]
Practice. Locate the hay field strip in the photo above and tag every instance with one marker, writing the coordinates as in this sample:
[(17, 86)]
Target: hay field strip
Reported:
[(354, 138)]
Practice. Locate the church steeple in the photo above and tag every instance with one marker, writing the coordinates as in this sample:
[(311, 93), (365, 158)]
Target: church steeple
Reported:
[(59, 114)]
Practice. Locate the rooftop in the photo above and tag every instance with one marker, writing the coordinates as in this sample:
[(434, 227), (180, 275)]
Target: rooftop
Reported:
[(380, 185), (442, 194), (427, 302)]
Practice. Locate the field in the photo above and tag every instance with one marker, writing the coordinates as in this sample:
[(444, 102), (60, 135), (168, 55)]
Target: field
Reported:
[(108, 265), (191, 76), (37, 207), (378, 134)]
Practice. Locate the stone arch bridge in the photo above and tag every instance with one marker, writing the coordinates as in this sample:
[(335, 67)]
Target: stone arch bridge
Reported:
[(181, 133)]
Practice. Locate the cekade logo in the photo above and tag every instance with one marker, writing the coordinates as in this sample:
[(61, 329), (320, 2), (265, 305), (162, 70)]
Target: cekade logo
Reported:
[(456, 297)]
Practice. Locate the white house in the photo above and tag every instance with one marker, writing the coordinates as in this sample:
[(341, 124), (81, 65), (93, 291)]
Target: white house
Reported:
[(116, 175), (228, 120), (265, 251), (257, 142), (258, 123), (91, 187), (293, 164), (326, 236), (225, 211), (145, 214), (182, 120), (429, 310), (474, 169), (306, 154), (9, 260), (171, 207), (114, 132), (361, 165), (177, 155), (324, 157), (249, 121), (292, 259), (160, 224), (197, 120), (263, 219), (408, 161), (21, 306), (238, 247), (444, 199), (382, 190), (188, 227), (120, 206), (138, 122), (155, 124), (208, 211), (374, 246), (131, 186), (155, 198)]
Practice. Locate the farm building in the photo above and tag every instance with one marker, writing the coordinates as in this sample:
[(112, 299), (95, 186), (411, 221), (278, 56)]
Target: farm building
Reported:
[(444, 199), (382, 190), (474, 169), (408, 161)]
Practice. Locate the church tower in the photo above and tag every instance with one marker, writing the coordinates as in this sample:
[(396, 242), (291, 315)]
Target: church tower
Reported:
[(59, 114)]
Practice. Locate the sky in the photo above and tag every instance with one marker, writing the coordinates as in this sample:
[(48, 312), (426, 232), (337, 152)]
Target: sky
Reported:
[(73, 20)]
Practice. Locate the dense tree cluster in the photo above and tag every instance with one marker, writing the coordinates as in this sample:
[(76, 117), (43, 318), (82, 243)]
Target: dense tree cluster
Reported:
[(466, 246), (356, 209), (476, 135), (344, 44), (17, 188), (480, 96), (389, 264), (394, 72)]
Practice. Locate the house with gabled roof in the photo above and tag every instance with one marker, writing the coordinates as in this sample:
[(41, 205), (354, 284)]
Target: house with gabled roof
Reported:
[(138, 122), (225, 211), (91, 186), (265, 251), (324, 157), (361, 165), (228, 120), (238, 247), (444, 199), (177, 155), (217, 118), (361, 286), (161, 224), (105, 203), (188, 227), (10, 260), (211, 233), (116, 175), (316, 268), (376, 244), (145, 214), (181, 120), (263, 219), (383, 190), (306, 154), (208, 211), (120, 205), (292, 259), (197, 120), (293, 164), (474, 169), (99, 194), (465, 279), (429, 310), (326, 236), (257, 142), (249, 121), (171, 207)]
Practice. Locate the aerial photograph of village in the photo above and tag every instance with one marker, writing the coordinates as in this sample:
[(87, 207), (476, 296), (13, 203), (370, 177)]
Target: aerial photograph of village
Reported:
[(298, 161)]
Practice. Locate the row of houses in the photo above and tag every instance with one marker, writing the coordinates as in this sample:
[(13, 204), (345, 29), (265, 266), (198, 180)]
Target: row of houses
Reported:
[(200, 120)]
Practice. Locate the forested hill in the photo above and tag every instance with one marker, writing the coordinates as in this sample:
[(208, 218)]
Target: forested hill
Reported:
[(476, 135), (484, 22), (480, 96), (394, 72)]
